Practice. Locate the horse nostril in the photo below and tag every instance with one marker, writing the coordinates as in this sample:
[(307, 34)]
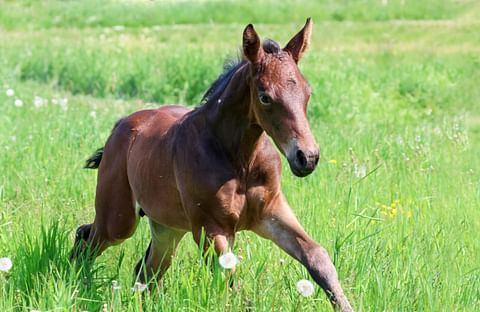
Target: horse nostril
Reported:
[(317, 157), (302, 159)]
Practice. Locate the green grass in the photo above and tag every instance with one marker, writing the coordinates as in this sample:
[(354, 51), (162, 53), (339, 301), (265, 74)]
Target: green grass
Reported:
[(398, 97)]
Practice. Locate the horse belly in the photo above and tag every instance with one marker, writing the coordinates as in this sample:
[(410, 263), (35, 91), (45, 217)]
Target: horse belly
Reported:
[(150, 170)]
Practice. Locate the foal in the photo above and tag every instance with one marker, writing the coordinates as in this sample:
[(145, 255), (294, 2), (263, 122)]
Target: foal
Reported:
[(214, 168)]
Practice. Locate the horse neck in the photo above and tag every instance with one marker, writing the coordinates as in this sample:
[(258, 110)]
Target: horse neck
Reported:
[(231, 118)]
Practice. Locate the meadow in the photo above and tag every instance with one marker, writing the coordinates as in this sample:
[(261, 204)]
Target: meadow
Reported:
[(395, 108)]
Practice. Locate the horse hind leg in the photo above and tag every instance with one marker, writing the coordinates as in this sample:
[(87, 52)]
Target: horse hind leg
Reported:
[(158, 256), (115, 217)]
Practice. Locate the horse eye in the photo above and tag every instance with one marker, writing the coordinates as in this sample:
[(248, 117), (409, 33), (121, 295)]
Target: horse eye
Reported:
[(265, 99)]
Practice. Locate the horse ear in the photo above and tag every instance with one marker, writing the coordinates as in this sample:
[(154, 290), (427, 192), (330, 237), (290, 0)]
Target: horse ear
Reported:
[(251, 45), (300, 42)]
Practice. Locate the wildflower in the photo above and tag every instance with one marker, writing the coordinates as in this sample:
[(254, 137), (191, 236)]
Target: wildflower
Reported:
[(5, 264), (332, 161), (115, 285), (360, 171), (63, 103), (18, 103), (39, 101), (305, 288), (105, 307), (35, 311), (140, 287), (10, 92), (118, 28), (93, 114), (228, 260)]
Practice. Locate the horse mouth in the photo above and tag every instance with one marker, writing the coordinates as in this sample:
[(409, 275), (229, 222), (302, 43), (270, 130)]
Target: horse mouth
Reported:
[(300, 172)]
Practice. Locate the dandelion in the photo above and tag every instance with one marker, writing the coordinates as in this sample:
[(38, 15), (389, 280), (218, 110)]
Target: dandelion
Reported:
[(228, 260), (63, 104), (332, 161), (5, 264), (118, 28), (39, 101), (18, 103), (140, 287), (360, 171), (93, 114), (10, 92), (305, 288), (35, 311), (115, 285)]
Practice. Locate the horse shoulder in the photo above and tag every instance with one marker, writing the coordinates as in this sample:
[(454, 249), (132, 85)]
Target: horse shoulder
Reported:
[(263, 182)]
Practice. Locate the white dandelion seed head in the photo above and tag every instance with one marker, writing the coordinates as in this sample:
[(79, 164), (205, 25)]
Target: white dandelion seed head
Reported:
[(10, 92), (93, 114), (38, 101), (63, 104), (18, 103), (118, 28), (305, 288), (360, 171), (115, 285), (140, 287), (228, 260), (35, 311), (5, 264)]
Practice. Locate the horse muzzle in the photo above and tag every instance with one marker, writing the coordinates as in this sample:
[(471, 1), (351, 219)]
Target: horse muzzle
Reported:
[(302, 161)]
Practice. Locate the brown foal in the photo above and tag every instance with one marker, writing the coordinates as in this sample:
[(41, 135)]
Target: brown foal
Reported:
[(214, 168)]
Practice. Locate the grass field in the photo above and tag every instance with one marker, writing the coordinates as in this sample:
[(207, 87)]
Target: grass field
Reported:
[(395, 94)]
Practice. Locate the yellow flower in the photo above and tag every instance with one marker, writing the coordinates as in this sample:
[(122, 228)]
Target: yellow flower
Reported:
[(332, 161), (394, 211)]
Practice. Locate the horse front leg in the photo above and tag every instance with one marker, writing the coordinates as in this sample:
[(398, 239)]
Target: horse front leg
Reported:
[(280, 225)]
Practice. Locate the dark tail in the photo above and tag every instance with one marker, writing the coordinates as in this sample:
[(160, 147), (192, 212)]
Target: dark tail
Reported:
[(94, 161)]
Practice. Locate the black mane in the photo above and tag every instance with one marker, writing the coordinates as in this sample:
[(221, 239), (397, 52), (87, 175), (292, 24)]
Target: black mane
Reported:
[(230, 67)]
